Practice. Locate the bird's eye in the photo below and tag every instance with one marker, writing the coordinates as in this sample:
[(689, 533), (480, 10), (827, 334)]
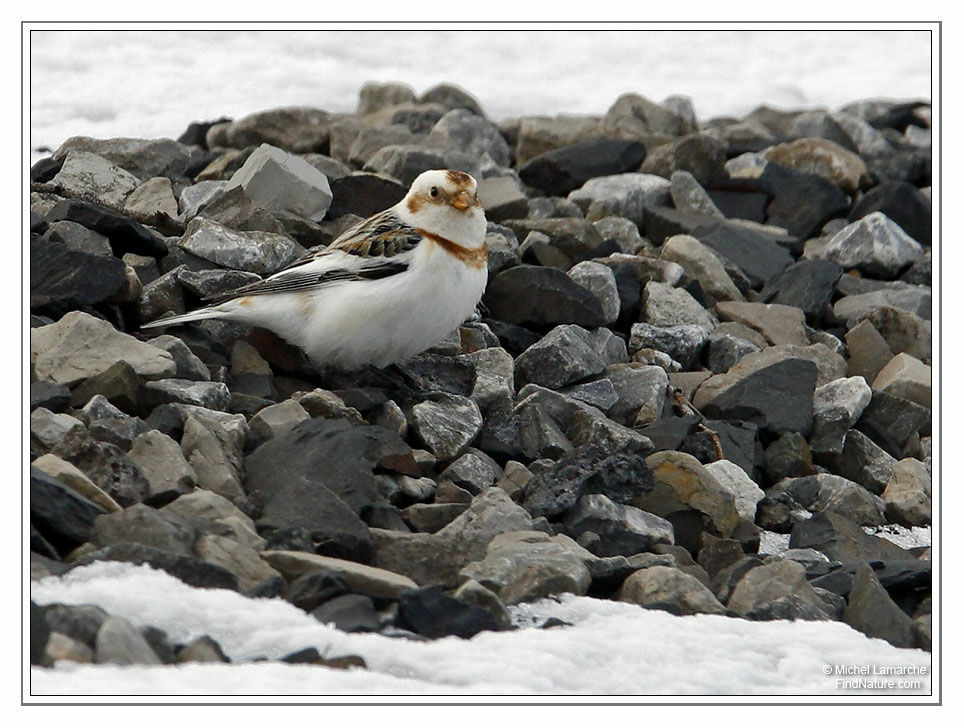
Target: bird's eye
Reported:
[(433, 192)]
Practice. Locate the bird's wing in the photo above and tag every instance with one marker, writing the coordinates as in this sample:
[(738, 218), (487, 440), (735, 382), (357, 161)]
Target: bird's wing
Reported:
[(378, 247)]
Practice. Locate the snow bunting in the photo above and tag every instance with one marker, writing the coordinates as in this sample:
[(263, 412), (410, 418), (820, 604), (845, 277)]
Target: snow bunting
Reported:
[(386, 289)]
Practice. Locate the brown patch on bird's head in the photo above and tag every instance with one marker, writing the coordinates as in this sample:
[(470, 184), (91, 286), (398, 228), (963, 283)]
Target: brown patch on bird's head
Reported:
[(414, 203), (459, 178)]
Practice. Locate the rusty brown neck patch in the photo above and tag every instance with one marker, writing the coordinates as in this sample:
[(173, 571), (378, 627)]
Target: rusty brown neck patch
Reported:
[(472, 257)]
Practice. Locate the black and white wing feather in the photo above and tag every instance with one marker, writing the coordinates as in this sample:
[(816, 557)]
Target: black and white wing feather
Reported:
[(378, 247)]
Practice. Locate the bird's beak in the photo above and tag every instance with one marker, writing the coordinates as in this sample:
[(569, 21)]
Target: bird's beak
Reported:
[(463, 200)]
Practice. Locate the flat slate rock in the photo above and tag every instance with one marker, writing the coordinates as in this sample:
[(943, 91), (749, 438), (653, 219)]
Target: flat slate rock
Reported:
[(125, 235), (759, 257), (541, 296), (560, 171)]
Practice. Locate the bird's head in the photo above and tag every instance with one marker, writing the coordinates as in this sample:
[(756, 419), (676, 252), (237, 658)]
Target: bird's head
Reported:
[(444, 202), (443, 188)]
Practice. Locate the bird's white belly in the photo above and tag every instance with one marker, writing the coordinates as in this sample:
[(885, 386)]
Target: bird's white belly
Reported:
[(388, 320)]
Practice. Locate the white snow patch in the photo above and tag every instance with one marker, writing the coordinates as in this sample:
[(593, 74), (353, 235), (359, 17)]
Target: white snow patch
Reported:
[(610, 648)]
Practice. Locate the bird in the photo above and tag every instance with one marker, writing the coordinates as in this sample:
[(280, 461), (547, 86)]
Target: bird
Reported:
[(386, 289)]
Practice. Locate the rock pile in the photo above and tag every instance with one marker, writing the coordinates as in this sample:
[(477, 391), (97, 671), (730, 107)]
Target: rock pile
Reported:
[(694, 333)]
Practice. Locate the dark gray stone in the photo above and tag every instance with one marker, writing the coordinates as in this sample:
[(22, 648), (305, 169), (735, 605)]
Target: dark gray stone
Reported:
[(433, 614), (560, 171), (63, 517), (540, 296), (621, 477), (317, 478), (842, 540), (621, 529), (349, 613), (62, 277), (807, 284), (871, 610)]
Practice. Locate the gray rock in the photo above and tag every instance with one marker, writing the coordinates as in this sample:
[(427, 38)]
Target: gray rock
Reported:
[(637, 115), (724, 349), (405, 162), (160, 459), (875, 245), (842, 540), (848, 130), (682, 343), (255, 251), (155, 196), (48, 428), (471, 592), (903, 331), (193, 198), (202, 649), (188, 365), (522, 567), (746, 493), (118, 642), (625, 195), (871, 610), (697, 487), (642, 393), (620, 529), (702, 154), (474, 472), (162, 295), (778, 323), (837, 405), (663, 305), (767, 388), (213, 454), (689, 196), (669, 589), (210, 395), (913, 299), (826, 492), (374, 96), (141, 524), (437, 558), (446, 423), (494, 375), (908, 493), (539, 134), (208, 283), (76, 237), (600, 393), (72, 477), (275, 420), (905, 376), (781, 580), (557, 242), (239, 559), (542, 296), (565, 355), (143, 158), (295, 128), (90, 176), (864, 462), (206, 505), (701, 264), (80, 346), (824, 158), (359, 578), (600, 280), (623, 232), (868, 352), (451, 97), (469, 132)]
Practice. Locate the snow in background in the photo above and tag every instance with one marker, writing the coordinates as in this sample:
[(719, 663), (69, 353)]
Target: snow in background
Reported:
[(610, 648), (153, 83)]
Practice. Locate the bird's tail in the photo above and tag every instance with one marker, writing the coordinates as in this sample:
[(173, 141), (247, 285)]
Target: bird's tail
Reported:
[(200, 314)]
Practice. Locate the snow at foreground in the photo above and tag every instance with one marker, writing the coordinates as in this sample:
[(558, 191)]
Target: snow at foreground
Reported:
[(610, 649)]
